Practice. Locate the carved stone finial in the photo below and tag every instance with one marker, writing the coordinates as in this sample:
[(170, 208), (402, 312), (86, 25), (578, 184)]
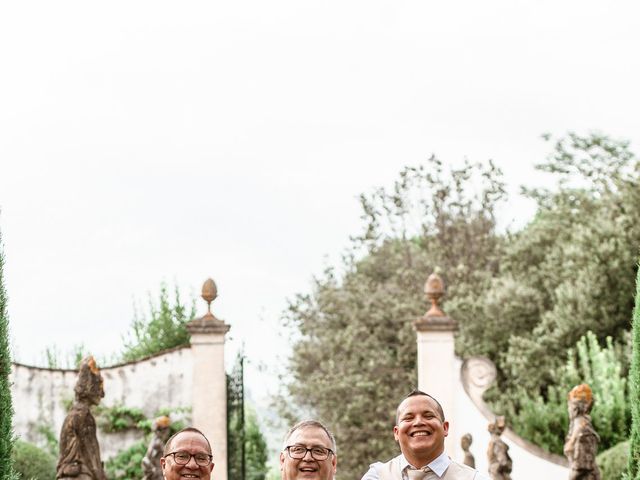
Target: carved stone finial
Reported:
[(435, 319), (434, 290), (209, 293), (208, 323)]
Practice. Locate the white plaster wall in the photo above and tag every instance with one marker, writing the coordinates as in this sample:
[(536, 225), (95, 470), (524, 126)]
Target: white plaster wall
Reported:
[(468, 419), (39, 394)]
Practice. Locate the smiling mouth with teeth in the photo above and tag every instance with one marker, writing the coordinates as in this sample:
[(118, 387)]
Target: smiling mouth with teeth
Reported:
[(421, 434)]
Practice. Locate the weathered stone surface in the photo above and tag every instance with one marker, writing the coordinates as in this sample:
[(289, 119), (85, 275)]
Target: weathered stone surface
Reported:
[(500, 464), (151, 461), (465, 442), (79, 449), (581, 445)]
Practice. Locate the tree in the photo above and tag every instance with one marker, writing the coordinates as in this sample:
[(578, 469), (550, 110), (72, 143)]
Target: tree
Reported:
[(165, 329), (354, 347), (6, 410), (521, 298), (633, 469)]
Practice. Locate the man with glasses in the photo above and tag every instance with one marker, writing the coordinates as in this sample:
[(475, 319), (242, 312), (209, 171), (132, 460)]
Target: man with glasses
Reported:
[(308, 453), (187, 454), (420, 431)]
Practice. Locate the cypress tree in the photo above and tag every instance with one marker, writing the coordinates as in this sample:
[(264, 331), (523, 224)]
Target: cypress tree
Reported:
[(6, 412), (633, 469)]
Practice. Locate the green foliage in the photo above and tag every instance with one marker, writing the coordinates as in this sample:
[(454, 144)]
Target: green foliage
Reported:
[(522, 298), (633, 469), (545, 420), (119, 417), (613, 462), (50, 438), (353, 335), (6, 410), (255, 448), (128, 463), (29, 462), (245, 442), (164, 329), (579, 254), (54, 358)]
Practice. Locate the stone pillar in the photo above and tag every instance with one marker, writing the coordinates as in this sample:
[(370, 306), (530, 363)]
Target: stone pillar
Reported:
[(209, 396), (437, 374)]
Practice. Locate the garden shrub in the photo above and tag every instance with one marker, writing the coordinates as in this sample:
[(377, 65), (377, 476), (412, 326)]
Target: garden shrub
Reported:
[(128, 463), (544, 420), (613, 462), (31, 461)]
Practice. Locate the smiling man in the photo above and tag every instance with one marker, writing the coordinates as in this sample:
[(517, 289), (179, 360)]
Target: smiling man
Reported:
[(308, 453), (187, 454), (420, 431)]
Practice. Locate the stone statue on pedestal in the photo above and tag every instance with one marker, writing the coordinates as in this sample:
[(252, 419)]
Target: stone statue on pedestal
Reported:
[(581, 445), (465, 443), (151, 461), (500, 464), (79, 449)]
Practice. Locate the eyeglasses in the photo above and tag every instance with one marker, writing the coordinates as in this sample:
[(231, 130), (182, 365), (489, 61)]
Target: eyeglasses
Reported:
[(317, 453), (182, 458)]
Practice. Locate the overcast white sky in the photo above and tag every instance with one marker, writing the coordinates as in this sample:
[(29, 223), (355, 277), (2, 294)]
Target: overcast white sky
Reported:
[(143, 141)]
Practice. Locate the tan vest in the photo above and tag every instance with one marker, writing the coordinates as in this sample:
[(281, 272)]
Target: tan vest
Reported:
[(455, 471)]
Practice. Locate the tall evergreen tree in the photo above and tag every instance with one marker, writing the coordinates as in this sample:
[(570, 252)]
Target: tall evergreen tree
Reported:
[(633, 470), (6, 412)]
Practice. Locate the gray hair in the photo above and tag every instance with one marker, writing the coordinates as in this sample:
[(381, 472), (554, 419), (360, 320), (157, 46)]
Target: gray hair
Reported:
[(310, 424)]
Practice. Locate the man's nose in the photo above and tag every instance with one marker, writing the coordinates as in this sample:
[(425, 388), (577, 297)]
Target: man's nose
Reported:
[(193, 465), (308, 452)]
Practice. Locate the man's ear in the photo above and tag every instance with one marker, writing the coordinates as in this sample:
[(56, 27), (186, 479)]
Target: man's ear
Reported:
[(395, 432), (334, 462), (162, 462), (281, 460), (445, 427)]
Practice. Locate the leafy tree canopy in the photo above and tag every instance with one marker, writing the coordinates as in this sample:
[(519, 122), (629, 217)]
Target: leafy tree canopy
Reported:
[(517, 296)]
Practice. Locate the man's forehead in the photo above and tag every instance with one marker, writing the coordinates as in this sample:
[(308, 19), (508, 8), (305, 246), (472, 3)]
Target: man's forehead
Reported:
[(184, 439), (417, 403), (311, 436)]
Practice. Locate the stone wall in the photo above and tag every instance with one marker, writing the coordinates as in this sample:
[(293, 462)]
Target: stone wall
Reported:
[(41, 395)]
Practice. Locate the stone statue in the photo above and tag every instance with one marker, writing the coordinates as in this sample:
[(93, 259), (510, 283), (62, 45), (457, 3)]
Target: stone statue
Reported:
[(151, 461), (79, 449), (581, 445), (500, 464), (465, 443)]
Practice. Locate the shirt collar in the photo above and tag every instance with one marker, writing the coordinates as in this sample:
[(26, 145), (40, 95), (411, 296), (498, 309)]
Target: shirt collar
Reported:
[(439, 465)]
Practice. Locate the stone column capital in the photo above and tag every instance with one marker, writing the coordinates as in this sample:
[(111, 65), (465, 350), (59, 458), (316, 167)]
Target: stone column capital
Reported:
[(207, 324), (433, 323)]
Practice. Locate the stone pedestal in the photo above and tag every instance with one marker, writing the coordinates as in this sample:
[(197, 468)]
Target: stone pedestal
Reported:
[(209, 407), (437, 373)]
